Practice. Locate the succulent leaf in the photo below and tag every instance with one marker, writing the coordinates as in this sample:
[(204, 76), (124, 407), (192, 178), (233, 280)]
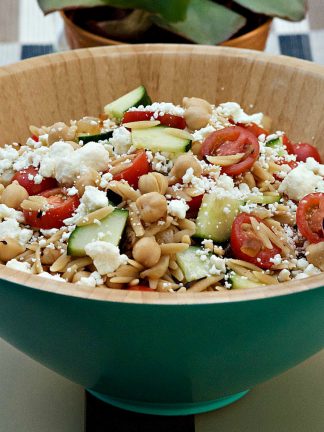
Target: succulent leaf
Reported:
[(294, 10)]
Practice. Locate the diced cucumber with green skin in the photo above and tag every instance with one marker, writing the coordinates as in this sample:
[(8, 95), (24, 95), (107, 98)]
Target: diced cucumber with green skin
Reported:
[(212, 221), (191, 265), (264, 199), (96, 138), (112, 227), (136, 97), (275, 142), (241, 282), (158, 139)]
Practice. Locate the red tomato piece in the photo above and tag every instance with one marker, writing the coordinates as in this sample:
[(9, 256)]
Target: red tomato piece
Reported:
[(194, 205), (35, 138), (31, 187), (139, 167), (289, 146), (61, 206), (170, 120), (247, 246), (304, 151), (255, 129), (140, 288), (230, 141), (310, 217)]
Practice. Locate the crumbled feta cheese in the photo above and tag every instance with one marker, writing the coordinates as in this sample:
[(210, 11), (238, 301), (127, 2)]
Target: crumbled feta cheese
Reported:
[(105, 179), (72, 191), (19, 265), (55, 277), (10, 229), (200, 134), (93, 280), (106, 257), (284, 275), (178, 208), (276, 259), (234, 111), (300, 182), (94, 198), (161, 108), (7, 156), (121, 140)]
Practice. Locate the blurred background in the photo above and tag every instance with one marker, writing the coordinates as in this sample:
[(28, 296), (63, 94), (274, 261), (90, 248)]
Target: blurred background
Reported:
[(25, 32)]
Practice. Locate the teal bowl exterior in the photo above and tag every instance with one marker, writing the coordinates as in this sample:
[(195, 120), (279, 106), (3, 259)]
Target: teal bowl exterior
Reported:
[(165, 359)]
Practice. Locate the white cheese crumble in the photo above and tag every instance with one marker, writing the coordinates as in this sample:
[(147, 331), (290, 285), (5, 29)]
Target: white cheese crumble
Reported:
[(161, 108), (200, 134), (106, 257), (18, 265), (235, 112), (300, 182), (94, 198), (93, 280), (121, 140), (178, 208), (10, 229)]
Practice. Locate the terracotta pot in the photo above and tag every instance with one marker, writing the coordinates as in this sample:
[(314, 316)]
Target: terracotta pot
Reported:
[(77, 37)]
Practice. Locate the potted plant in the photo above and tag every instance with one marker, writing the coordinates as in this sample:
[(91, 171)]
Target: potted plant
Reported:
[(240, 23)]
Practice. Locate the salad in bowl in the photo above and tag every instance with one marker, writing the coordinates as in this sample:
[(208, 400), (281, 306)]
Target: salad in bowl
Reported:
[(163, 197)]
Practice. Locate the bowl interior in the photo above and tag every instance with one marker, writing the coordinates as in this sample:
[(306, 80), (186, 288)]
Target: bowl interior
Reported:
[(68, 86)]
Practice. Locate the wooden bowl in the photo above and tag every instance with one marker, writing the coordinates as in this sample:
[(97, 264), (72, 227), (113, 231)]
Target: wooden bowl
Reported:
[(158, 352)]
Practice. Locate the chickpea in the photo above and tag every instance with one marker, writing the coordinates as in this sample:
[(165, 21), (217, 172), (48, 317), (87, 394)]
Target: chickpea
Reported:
[(153, 182), (152, 206), (147, 251), (315, 254), (183, 162), (198, 102), (88, 178), (49, 256), (197, 112), (9, 249), (88, 125), (60, 131), (80, 274), (6, 177), (14, 195)]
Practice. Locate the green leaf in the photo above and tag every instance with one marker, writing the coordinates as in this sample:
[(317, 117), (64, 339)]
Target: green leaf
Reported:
[(176, 12), (206, 23), (294, 10)]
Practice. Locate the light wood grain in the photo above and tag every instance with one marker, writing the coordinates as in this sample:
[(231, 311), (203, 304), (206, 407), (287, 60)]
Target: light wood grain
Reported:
[(73, 84)]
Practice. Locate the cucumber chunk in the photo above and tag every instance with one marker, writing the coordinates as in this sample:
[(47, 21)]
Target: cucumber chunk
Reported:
[(264, 199), (191, 265), (96, 138), (158, 139), (275, 142), (241, 282), (212, 221), (134, 98), (112, 226)]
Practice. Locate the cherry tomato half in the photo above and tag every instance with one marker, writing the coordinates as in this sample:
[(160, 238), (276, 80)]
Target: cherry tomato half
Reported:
[(26, 176), (254, 128), (247, 246), (310, 217), (230, 141), (304, 151), (139, 167), (61, 206), (194, 206), (140, 288), (289, 145), (170, 120)]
